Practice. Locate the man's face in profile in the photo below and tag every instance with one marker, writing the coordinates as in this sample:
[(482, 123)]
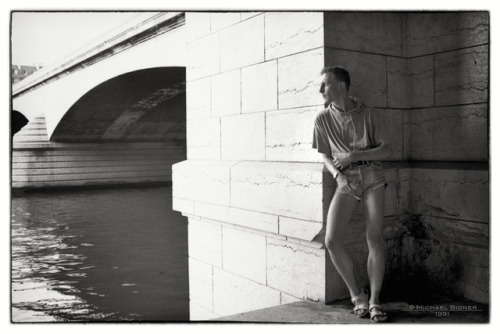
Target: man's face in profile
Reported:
[(329, 88)]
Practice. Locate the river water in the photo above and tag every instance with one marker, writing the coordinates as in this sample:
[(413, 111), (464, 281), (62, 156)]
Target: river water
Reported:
[(98, 255)]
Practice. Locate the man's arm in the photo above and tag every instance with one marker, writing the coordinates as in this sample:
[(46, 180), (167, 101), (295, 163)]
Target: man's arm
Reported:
[(342, 181), (341, 160)]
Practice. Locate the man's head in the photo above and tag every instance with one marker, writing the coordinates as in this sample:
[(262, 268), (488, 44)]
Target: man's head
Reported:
[(335, 82)]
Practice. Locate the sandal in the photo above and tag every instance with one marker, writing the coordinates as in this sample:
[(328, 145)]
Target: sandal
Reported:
[(377, 314), (360, 303)]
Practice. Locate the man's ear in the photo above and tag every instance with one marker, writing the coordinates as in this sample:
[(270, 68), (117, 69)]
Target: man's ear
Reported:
[(342, 85)]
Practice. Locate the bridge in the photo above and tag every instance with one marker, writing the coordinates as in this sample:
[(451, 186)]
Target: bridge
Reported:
[(222, 105)]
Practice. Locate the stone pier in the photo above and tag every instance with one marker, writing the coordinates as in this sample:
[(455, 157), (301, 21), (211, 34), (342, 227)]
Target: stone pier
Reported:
[(256, 194)]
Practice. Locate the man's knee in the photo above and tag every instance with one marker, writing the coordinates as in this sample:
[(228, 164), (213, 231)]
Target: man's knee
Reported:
[(375, 239), (332, 243)]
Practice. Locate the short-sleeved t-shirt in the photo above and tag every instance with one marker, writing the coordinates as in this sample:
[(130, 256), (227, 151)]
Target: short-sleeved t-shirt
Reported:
[(342, 132)]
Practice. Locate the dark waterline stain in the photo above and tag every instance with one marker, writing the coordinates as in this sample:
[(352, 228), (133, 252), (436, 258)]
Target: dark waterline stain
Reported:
[(99, 255)]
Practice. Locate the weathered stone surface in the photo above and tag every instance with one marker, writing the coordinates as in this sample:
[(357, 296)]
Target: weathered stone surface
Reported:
[(457, 231), (300, 229), (183, 205), (299, 79), (205, 242), (288, 189), (244, 254), (421, 82), (202, 180), (203, 138), (242, 44), (397, 191), (234, 294), (448, 193), (296, 269), (200, 283), (243, 137), (226, 93), (199, 67), (410, 82), (289, 135), (252, 219), (288, 33), (397, 82), (390, 128), (259, 87), (198, 25), (367, 71), (220, 21), (198, 99), (368, 32), (199, 313), (458, 133), (451, 268), (462, 76), (436, 32)]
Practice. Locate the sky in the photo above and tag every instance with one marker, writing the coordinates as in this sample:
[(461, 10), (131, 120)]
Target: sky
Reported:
[(45, 37)]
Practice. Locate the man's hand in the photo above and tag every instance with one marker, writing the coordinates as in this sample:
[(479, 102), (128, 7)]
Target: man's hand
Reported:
[(343, 183), (341, 160)]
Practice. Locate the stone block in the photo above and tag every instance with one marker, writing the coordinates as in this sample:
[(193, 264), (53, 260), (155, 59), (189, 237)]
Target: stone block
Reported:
[(391, 129), (456, 231), (259, 87), (286, 189), (299, 79), (202, 180), (202, 57), (198, 99), (200, 283), (199, 313), (243, 137), (451, 193), (421, 82), (296, 269), (234, 294), (398, 188), (437, 32), (367, 71), (300, 229), (203, 138), (220, 21), (182, 205), (458, 133), (289, 135), (198, 25), (462, 76), (244, 254), (242, 44), (205, 242), (252, 219), (397, 82), (367, 32), (288, 32), (226, 93)]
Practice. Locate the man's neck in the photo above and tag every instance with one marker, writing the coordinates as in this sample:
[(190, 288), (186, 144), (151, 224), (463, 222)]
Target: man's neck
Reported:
[(344, 103)]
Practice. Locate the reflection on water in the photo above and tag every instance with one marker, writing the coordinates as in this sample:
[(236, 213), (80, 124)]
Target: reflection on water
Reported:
[(99, 255)]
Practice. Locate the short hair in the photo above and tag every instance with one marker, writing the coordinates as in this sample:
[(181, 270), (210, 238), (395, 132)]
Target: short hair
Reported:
[(340, 74)]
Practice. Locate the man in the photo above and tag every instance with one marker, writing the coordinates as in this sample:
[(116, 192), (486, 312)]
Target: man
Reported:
[(347, 134)]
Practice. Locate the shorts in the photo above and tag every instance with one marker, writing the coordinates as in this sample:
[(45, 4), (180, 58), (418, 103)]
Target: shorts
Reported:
[(363, 178)]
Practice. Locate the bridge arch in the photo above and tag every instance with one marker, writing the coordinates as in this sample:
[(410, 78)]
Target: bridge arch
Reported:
[(142, 105)]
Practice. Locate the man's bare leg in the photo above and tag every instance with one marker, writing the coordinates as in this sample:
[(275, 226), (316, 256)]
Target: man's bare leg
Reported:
[(374, 213), (339, 215)]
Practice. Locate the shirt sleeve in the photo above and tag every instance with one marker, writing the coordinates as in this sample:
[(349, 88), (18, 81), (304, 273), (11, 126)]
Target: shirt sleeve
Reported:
[(320, 139), (378, 133)]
